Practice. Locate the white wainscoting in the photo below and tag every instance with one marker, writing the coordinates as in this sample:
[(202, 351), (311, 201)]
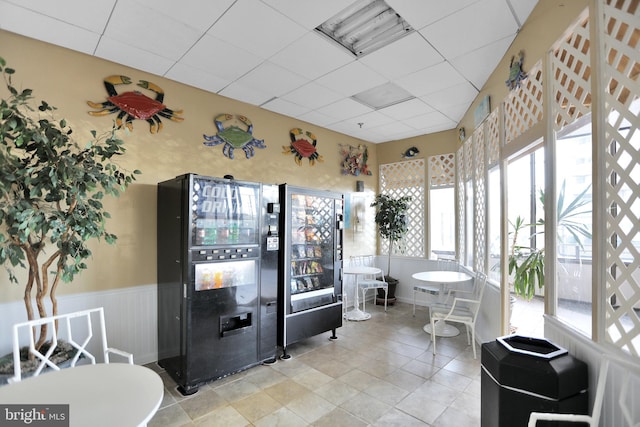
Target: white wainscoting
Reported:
[(130, 315), (621, 367)]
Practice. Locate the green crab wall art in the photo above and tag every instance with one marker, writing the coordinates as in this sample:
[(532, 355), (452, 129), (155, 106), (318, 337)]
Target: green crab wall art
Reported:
[(234, 137)]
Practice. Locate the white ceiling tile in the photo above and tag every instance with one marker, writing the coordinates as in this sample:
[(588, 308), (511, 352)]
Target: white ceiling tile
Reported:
[(434, 118), (256, 28), (272, 79), (191, 76), (432, 79), (370, 120), (312, 56), (308, 13), (476, 66), (455, 112), (522, 9), (452, 96), (419, 13), (312, 95), (479, 24), (123, 53), (405, 56), (267, 52), (150, 30), (89, 15), (198, 14), (46, 29), (410, 108), (392, 129), (346, 128), (245, 94), (317, 118), (344, 109), (285, 107), (351, 79), (207, 53)]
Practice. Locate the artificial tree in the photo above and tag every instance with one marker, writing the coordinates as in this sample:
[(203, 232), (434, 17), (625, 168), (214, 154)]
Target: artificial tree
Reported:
[(51, 192), (391, 218)]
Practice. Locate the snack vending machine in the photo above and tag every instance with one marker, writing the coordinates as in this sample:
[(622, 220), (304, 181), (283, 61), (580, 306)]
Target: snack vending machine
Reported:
[(217, 256), (310, 292)]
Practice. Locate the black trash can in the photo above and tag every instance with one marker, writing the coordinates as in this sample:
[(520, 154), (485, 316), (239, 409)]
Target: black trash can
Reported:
[(521, 375)]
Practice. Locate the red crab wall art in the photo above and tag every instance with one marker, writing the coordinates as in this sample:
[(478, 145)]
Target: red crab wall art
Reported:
[(134, 104), (303, 145), (234, 137)]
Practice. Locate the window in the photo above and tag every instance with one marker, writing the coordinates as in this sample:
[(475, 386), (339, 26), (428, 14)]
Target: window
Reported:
[(494, 229), (442, 206), (525, 181), (573, 243)]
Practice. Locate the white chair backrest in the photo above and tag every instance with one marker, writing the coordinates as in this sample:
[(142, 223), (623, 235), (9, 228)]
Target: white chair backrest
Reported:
[(447, 265), (479, 285), (362, 260), (75, 328)]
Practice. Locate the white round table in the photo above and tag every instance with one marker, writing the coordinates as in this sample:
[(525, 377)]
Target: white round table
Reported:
[(114, 394), (444, 279), (358, 270)]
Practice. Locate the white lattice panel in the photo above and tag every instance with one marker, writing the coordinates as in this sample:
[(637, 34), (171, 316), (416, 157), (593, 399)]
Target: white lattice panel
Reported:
[(571, 72), (460, 201), (479, 205), (492, 138), (523, 106), (406, 179), (622, 177), (468, 159), (442, 170)]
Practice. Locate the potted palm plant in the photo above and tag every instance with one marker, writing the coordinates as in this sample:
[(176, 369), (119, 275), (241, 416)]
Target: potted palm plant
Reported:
[(526, 263), (391, 219), (51, 195)]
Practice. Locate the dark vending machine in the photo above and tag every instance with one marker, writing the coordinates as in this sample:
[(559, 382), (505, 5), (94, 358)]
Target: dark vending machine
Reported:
[(310, 292), (217, 277)]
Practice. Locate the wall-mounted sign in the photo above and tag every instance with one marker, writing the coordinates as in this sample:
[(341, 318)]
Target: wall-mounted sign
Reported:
[(482, 111)]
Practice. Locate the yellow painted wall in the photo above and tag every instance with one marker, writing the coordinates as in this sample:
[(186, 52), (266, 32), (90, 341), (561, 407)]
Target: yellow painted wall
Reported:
[(67, 79), (547, 23)]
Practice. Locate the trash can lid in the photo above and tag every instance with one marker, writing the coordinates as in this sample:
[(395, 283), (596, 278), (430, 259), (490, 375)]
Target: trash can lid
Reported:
[(536, 347)]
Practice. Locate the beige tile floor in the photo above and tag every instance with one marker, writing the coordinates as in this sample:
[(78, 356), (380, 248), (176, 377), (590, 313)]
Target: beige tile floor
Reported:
[(380, 372)]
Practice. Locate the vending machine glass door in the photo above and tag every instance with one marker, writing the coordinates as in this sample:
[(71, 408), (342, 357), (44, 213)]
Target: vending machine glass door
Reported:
[(227, 274), (312, 245), (224, 213)]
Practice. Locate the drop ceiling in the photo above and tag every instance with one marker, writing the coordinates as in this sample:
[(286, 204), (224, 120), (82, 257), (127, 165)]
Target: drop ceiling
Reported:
[(267, 53)]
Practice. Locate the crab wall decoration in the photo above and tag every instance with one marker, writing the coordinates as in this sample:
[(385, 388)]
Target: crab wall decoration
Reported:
[(516, 75), (234, 137), (354, 160), (134, 104), (303, 145)]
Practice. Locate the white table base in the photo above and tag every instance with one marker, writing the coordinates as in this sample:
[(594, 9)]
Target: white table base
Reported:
[(443, 329), (358, 315)]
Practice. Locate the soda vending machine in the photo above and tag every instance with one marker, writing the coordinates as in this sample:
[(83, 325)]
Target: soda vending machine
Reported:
[(310, 292), (217, 277)]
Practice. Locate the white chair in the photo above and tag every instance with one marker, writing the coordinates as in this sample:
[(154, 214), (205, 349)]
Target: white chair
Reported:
[(63, 326), (370, 281), (592, 420), (463, 310), (433, 292)]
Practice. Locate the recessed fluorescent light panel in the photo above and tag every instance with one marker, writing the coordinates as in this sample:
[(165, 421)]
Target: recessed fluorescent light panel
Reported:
[(365, 26), (383, 96)]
